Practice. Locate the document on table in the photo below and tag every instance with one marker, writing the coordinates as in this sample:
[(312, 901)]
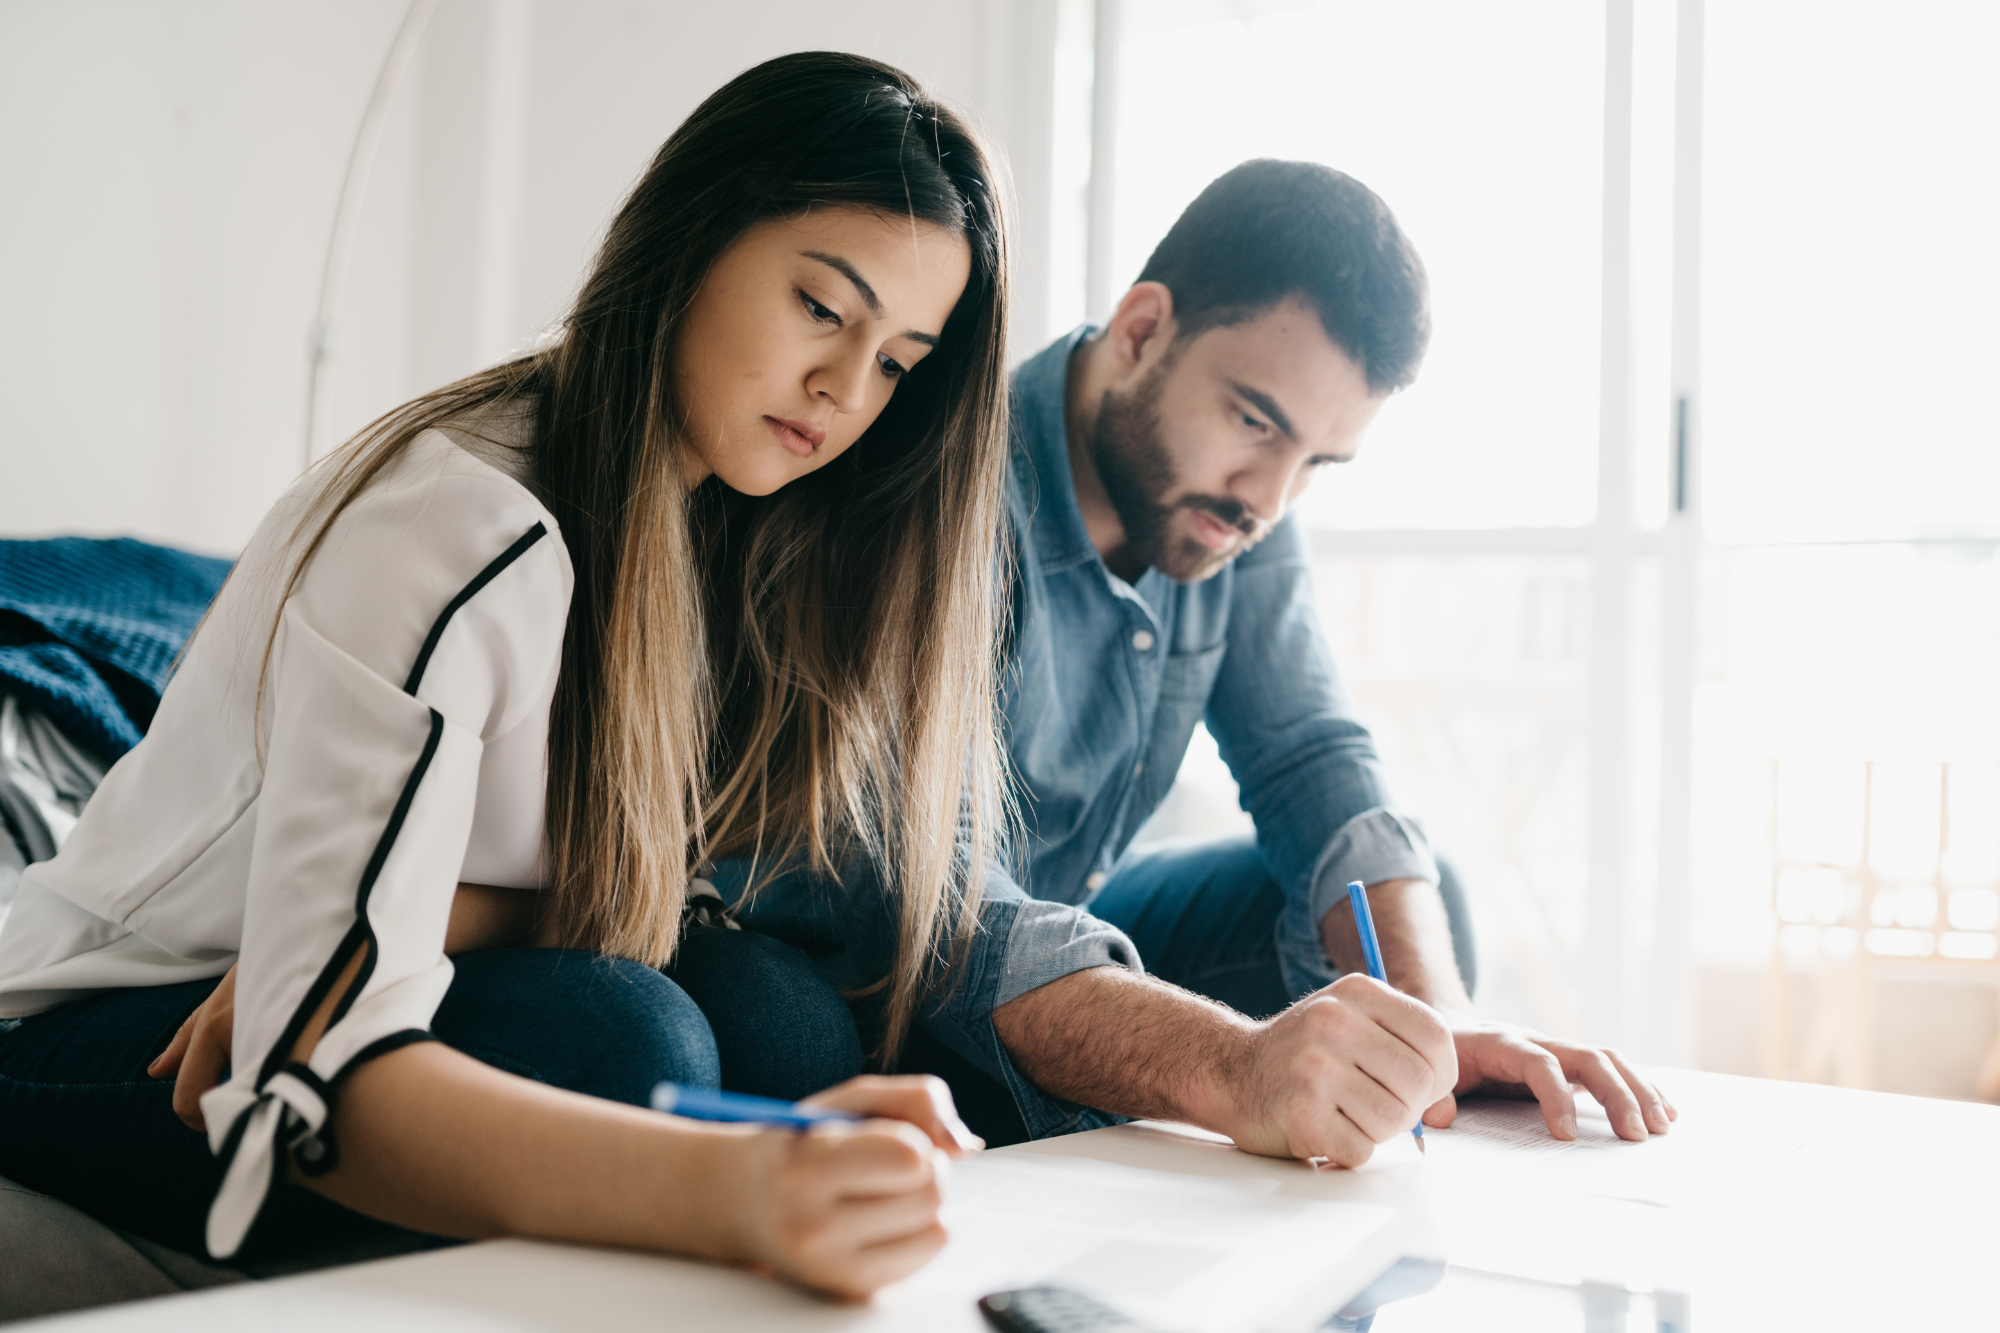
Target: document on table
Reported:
[(1173, 1251), (1510, 1140)]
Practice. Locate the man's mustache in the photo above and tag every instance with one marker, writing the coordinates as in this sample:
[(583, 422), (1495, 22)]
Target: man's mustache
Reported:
[(1231, 512)]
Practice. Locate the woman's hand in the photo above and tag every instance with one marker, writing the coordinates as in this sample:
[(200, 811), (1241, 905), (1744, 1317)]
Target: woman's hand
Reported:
[(199, 1051), (849, 1209)]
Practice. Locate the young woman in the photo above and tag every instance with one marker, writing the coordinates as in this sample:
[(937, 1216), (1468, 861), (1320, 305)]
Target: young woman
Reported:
[(710, 575)]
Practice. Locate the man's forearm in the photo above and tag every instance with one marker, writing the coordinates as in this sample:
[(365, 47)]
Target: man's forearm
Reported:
[(1415, 934), (1124, 1042), (1346, 1068)]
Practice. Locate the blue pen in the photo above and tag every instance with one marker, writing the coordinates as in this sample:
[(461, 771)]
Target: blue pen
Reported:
[(1371, 949), (737, 1108)]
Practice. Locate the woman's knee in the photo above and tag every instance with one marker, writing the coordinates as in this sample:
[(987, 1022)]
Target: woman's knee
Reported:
[(781, 1028), (608, 1027)]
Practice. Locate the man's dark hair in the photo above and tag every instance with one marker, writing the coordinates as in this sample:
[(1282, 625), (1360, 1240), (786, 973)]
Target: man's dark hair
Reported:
[(1267, 230)]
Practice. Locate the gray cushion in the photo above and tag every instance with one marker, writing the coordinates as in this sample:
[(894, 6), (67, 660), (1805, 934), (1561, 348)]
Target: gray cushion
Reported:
[(61, 1259), (54, 1257)]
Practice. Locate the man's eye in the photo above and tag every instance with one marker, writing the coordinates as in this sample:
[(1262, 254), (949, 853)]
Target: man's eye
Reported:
[(818, 311), (1253, 423), (891, 368)]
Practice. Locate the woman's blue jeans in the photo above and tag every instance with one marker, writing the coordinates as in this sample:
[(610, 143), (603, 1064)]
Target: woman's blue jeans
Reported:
[(81, 1120)]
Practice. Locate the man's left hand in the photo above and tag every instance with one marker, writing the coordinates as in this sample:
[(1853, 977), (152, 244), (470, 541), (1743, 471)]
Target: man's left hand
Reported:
[(1504, 1060)]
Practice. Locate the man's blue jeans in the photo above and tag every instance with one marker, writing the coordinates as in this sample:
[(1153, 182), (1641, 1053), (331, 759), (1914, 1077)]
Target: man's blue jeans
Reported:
[(1204, 915), (81, 1120)]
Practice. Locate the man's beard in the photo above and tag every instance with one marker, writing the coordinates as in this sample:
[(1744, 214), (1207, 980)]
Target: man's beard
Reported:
[(1138, 477)]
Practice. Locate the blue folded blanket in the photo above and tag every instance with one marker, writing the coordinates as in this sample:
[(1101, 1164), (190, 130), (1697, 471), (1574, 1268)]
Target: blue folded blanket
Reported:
[(89, 629)]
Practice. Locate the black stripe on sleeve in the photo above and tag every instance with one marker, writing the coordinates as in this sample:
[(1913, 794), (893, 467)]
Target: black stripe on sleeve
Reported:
[(376, 861), (465, 594), (321, 1153), (360, 937), (400, 813), (381, 1046)]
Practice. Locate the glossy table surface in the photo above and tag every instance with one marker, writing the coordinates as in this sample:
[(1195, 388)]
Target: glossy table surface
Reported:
[(1868, 1211)]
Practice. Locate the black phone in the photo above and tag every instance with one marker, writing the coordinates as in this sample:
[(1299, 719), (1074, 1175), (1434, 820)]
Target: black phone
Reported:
[(1052, 1310)]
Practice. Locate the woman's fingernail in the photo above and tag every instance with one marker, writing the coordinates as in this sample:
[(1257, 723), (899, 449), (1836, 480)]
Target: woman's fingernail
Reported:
[(1569, 1125)]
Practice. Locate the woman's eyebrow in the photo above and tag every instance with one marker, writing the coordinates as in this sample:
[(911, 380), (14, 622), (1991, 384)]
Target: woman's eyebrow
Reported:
[(853, 275), (868, 296)]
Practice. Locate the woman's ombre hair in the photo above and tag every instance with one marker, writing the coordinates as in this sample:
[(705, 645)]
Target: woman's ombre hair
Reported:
[(806, 678)]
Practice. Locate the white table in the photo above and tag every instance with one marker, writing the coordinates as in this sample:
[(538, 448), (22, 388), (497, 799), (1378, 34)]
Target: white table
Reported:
[(1887, 1217)]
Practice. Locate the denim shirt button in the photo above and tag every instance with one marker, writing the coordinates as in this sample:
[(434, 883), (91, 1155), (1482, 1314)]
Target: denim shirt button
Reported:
[(1138, 768), (1095, 880), (1143, 641)]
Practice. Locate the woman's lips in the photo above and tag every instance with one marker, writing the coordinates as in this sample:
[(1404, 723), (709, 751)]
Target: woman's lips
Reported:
[(1211, 531), (801, 437)]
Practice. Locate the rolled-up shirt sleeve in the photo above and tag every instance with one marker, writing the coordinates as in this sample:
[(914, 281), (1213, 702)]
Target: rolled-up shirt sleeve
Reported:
[(1048, 941), (1372, 847), (1307, 768), (1023, 944)]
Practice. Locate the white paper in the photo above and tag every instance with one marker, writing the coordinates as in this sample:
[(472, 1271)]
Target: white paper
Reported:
[(1174, 1251), (1510, 1140)]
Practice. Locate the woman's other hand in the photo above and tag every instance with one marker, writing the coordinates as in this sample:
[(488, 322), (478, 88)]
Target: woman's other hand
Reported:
[(918, 1099), (482, 917), (199, 1051)]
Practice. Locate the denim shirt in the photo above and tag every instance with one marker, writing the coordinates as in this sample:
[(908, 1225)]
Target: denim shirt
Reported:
[(1107, 679), (1104, 684)]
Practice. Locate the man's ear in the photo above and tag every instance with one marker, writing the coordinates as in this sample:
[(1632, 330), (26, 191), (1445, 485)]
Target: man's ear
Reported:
[(1143, 323)]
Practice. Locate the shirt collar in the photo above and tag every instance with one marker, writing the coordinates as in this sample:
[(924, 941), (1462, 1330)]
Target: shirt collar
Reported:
[(1043, 481)]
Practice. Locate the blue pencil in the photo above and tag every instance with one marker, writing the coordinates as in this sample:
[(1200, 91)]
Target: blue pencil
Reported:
[(1371, 950), (738, 1108)]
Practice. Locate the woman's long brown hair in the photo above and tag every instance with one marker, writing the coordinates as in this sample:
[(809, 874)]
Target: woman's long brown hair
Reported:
[(805, 678)]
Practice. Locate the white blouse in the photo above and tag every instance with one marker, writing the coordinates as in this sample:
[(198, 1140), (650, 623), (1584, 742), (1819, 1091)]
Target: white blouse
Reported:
[(400, 748)]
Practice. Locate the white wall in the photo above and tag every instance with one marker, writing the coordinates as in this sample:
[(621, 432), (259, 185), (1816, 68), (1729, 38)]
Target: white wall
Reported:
[(168, 176)]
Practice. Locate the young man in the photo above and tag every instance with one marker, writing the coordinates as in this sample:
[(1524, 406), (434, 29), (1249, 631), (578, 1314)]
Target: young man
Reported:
[(1157, 582)]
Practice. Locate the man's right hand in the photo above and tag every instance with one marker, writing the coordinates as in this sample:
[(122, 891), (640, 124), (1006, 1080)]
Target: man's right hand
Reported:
[(1347, 1067), (1344, 1069)]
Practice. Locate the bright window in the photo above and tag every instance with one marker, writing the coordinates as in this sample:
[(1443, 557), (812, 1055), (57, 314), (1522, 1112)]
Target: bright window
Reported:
[(1480, 124), (1835, 565), (1852, 192)]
